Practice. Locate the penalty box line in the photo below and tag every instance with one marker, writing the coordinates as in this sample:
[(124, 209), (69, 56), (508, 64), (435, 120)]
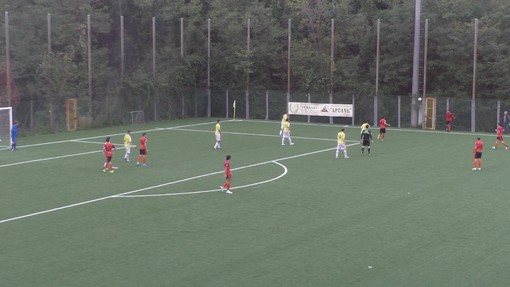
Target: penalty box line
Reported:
[(83, 140), (110, 135)]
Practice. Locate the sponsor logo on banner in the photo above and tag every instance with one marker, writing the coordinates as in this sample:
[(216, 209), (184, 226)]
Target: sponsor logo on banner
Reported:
[(314, 109)]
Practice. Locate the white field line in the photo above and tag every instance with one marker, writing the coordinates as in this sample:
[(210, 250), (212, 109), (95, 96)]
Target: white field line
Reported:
[(153, 187), (49, 158), (82, 140), (257, 121), (112, 135), (90, 142), (52, 158), (121, 146), (285, 170), (259, 135), (393, 129)]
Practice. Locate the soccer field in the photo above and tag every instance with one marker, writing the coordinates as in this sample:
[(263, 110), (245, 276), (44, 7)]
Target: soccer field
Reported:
[(411, 214)]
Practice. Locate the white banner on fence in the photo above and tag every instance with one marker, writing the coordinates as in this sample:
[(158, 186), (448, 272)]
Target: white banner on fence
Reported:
[(313, 109)]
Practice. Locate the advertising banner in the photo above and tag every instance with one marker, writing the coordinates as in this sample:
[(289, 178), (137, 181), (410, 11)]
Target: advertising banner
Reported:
[(313, 109)]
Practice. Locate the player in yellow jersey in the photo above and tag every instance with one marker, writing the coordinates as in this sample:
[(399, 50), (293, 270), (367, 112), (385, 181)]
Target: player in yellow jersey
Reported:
[(341, 144), (217, 134), (286, 132), (284, 119), (127, 145)]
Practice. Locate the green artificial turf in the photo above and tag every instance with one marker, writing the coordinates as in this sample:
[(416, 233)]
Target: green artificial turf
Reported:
[(413, 213)]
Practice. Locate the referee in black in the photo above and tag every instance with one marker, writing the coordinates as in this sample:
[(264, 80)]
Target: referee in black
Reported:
[(366, 139)]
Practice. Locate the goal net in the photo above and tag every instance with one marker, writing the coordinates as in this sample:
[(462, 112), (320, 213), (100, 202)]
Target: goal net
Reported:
[(136, 117), (5, 126)]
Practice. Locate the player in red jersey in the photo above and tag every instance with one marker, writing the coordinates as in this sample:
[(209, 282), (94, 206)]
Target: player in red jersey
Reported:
[(228, 175), (449, 120), (499, 137), (108, 149), (382, 128), (477, 154), (142, 156)]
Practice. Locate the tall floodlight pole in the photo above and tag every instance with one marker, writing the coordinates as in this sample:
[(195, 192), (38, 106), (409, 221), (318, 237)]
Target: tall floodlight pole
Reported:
[(182, 58), (377, 59), (48, 19), (209, 67), (182, 37), (7, 61), (332, 66), (48, 22), (247, 95), (122, 48), (154, 66), (288, 65), (473, 94), (425, 57), (52, 114), (89, 55), (416, 64)]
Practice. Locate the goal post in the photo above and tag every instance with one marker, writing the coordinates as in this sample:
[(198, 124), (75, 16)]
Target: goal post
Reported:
[(5, 126), (136, 117)]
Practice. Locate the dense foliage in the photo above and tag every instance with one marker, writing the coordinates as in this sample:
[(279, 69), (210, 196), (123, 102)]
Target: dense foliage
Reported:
[(60, 71)]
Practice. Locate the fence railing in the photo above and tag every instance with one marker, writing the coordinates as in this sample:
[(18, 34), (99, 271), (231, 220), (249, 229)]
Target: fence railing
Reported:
[(264, 105)]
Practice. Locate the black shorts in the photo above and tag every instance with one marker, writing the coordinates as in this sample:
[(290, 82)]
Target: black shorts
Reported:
[(499, 138), (382, 131), (108, 159), (478, 155), (366, 143), (143, 152), (448, 122)]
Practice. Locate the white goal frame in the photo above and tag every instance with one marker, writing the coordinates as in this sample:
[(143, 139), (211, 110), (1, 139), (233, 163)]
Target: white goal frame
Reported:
[(5, 126), (136, 117)]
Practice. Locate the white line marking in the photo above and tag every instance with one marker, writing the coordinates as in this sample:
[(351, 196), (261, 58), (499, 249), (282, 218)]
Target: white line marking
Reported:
[(393, 129), (285, 170), (121, 146), (49, 158), (153, 187), (258, 135), (80, 140), (112, 135), (53, 209)]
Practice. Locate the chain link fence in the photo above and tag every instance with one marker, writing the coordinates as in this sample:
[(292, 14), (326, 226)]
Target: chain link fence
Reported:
[(36, 115)]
